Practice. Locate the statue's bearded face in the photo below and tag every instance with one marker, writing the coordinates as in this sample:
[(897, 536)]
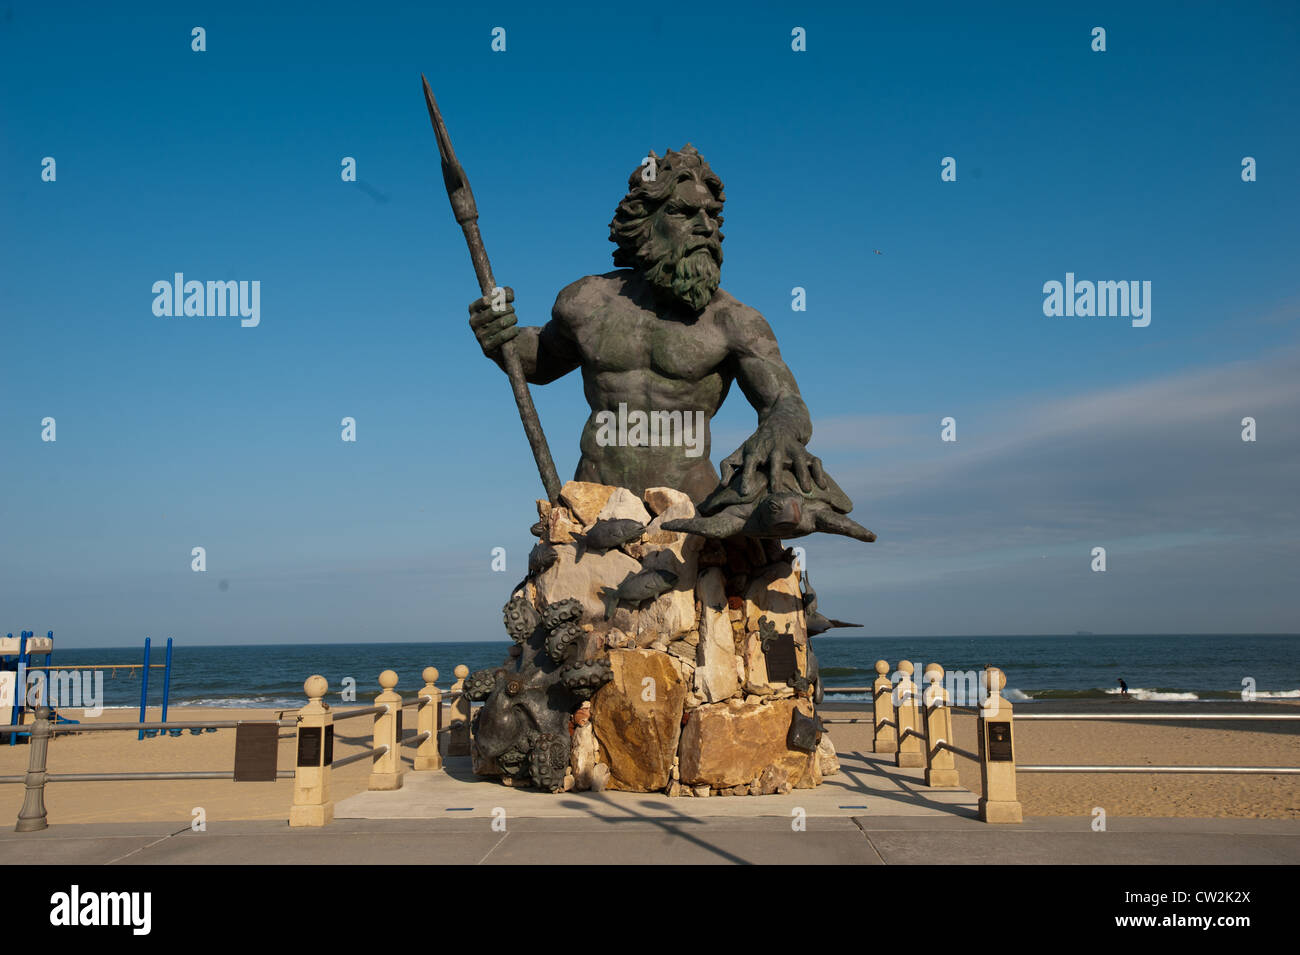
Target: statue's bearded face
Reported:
[(681, 253), (668, 227)]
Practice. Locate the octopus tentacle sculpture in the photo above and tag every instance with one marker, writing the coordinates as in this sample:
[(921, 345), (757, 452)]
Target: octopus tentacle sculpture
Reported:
[(523, 723)]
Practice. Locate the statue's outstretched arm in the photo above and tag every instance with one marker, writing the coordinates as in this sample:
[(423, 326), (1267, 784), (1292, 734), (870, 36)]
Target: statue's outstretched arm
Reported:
[(784, 426)]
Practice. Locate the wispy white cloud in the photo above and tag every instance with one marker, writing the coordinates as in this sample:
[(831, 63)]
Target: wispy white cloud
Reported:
[(1156, 472)]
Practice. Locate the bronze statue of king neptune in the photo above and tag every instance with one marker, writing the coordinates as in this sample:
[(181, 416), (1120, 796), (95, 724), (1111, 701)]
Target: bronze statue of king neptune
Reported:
[(659, 343)]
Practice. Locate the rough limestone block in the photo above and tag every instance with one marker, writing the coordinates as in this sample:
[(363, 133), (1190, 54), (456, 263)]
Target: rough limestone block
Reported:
[(584, 580), (756, 682), (638, 719), (622, 504), (560, 526), (715, 661), (673, 614), (827, 762), (585, 499), (583, 756), (774, 594), (661, 499), (731, 744), (684, 669)]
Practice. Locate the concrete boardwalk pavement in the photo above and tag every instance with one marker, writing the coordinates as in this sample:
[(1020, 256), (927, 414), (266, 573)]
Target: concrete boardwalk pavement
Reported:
[(872, 813), (649, 838), (866, 783)]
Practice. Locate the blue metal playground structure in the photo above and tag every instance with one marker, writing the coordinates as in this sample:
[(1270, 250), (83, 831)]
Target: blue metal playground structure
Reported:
[(16, 658)]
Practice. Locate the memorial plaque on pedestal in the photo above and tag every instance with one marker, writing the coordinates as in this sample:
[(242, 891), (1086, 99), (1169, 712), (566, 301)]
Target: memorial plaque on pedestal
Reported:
[(782, 665), (1000, 742), (256, 746), (309, 745)]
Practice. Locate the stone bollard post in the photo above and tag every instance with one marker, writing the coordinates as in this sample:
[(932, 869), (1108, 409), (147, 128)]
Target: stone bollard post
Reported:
[(458, 741), (312, 805), (886, 740), (940, 766), (429, 720), (998, 802), (31, 817), (386, 773), (911, 748)]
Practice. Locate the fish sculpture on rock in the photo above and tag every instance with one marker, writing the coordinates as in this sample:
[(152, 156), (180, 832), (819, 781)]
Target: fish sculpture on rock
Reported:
[(638, 589), (607, 534)]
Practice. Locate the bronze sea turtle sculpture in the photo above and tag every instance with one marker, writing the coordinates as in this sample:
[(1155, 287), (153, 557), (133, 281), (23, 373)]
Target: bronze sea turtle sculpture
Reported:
[(785, 512)]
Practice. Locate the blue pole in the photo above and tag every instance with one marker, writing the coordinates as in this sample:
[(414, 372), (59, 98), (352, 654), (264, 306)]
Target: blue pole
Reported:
[(144, 686), (13, 714), (167, 681)]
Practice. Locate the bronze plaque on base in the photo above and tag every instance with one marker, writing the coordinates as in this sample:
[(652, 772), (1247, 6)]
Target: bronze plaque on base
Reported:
[(309, 745), (1000, 742), (782, 665), (256, 746)]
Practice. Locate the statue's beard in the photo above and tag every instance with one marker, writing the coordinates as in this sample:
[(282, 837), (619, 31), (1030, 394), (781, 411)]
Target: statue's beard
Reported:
[(690, 279)]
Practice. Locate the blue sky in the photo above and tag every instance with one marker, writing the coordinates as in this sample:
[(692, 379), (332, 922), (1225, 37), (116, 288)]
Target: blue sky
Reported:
[(1072, 432)]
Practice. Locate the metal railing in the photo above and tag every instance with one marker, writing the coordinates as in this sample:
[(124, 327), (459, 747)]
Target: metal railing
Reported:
[(995, 732), (33, 817), (1175, 717), (1247, 770), (65, 729), (364, 711), (1162, 717), (375, 751)]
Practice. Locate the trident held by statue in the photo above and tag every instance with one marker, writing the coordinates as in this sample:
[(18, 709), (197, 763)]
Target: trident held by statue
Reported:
[(466, 213)]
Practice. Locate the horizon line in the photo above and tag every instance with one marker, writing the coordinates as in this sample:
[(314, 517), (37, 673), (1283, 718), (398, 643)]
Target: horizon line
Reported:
[(933, 636)]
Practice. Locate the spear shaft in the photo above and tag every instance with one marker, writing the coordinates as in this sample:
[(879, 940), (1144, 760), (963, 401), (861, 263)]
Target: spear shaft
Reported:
[(466, 212)]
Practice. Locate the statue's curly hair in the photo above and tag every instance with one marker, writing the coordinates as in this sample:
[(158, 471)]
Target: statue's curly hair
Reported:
[(632, 217)]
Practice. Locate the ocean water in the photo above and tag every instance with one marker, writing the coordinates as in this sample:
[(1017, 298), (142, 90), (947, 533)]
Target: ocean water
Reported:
[(1168, 668)]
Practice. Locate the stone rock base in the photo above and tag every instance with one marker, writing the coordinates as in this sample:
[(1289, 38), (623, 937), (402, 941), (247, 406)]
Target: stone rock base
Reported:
[(736, 743), (692, 684)]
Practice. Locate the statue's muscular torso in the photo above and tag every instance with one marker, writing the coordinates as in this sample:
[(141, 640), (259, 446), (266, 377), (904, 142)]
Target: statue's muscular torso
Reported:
[(635, 352)]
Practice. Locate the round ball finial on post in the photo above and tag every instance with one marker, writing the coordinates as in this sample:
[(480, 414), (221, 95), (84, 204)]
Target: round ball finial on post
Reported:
[(312, 801), (428, 719), (884, 735), (940, 766), (995, 722), (386, 773), (458, 737), (934, 693), (911, 751)]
